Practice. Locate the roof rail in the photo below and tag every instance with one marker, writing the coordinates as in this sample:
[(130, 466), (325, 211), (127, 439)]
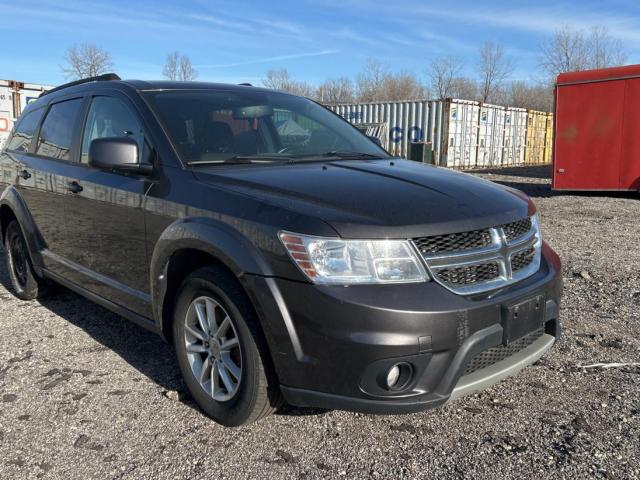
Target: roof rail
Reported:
[(245, 84), (100, 78)]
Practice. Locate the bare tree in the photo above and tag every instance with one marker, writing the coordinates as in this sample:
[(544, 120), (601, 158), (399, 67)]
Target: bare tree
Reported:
[(524, 95), (337, 90), (442, 74), (604, 51), (179, 67), (464, 88), (186, 72), (170, 69), (86, 60), (403, 85), (565, 51), (493, 69), (570, 50), (281, 80), (377, 84), (370, 82)]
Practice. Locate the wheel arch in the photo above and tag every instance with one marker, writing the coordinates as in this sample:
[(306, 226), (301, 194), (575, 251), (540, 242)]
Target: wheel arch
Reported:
[(189, 244), (13, 206)]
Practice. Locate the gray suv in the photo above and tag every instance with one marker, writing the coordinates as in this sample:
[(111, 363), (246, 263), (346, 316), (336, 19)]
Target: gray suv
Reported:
[(287, 257)]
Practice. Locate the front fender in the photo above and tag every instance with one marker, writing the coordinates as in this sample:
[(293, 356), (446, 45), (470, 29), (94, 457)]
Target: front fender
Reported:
[(216, 238), (12, 199)]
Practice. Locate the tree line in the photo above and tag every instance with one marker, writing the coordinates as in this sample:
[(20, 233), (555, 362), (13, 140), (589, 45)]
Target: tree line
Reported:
[(487, 79)]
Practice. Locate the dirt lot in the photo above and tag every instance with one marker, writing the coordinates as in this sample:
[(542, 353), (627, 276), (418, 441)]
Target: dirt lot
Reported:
[(85, 394)]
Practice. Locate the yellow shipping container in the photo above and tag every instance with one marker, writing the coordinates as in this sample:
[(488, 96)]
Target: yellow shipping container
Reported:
[(536, 137), (548, 141)]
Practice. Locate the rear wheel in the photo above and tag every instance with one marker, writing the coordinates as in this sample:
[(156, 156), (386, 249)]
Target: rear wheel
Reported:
[(24, 281), (221, 351)]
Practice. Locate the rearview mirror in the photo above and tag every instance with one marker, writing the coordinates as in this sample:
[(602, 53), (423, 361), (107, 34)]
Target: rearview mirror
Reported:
[(119, 153)]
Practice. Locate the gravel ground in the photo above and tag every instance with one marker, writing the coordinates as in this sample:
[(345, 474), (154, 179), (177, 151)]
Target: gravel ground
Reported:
[(86, 394)]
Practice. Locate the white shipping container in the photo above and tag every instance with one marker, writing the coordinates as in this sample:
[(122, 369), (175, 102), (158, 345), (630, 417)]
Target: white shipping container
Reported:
[(14, 97), (460, 134), (515, 141), (6, 113), (491, 135)]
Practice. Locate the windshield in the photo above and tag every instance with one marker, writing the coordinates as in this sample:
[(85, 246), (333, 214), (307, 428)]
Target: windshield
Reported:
[(208, 126)]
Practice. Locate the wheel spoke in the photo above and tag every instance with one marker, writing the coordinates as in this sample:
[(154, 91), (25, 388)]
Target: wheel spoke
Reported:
[(215, 375), (229, 344), (211, 314), (196, 348), (229, 364), (204, 373), (226, 379), (202, 317), (224, 326), (196, 332)]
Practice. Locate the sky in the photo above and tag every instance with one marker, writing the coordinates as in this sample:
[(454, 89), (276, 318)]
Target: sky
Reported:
[(238, 41)]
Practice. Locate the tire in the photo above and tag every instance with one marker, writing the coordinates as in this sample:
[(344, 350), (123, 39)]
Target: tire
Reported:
[(25, 283), (229, 375)]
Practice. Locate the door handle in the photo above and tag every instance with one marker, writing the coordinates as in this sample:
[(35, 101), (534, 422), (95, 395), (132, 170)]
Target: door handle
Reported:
[(24, 175), (74, 187)]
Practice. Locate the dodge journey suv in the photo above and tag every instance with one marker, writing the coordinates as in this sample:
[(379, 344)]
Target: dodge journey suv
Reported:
[(286, 255)]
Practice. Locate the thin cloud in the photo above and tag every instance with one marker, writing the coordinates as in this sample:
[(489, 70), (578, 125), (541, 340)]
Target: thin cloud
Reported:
[(278, 58)]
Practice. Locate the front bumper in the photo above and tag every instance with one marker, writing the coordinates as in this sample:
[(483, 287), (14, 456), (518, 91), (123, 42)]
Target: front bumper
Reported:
[(330, 345)]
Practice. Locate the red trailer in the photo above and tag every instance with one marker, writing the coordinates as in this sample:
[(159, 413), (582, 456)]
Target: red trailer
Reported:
[(597, 130)]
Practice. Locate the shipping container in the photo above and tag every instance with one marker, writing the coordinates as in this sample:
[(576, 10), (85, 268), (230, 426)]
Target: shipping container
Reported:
[(14, 97), (460, 134), (515, 137), (464, 134), (407, 122), (491, 135), (597, 119), (548, 140), (536, 137)]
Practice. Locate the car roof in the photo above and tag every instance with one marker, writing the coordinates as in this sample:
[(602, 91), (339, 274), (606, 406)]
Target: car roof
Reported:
[(138, 86)]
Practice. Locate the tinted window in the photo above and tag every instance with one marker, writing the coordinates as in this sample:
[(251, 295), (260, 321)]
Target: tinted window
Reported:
[(215, 125), (110, 118), (24, 131), (56, 133)]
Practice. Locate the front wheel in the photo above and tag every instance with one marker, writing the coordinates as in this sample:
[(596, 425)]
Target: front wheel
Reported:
[(221, 352), (24, 281)]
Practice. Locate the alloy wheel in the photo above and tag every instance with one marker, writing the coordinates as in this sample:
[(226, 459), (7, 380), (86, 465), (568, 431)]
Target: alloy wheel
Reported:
[(18, 259), (213, 348)]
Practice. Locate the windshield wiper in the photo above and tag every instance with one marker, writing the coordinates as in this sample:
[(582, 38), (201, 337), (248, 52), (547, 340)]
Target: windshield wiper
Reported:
[(240, 159), (336, 153)]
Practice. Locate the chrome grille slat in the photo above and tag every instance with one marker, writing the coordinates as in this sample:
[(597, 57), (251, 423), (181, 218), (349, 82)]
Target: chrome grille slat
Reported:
[(465, 263)]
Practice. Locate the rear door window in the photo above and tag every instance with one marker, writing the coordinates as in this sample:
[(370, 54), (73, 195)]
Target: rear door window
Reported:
[(56, 133), (24, 131)]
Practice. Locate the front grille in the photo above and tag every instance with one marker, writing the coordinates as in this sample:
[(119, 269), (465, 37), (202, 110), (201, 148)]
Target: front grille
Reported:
[(481, 260), (496, 354), (455, 242), (470, 274), (517, 229), (522, 259)]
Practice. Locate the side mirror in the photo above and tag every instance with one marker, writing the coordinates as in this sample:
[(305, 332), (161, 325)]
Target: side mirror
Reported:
[(375, 140), (117, 154)]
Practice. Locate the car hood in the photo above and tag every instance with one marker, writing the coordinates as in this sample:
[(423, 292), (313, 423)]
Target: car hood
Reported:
[(376, 198)]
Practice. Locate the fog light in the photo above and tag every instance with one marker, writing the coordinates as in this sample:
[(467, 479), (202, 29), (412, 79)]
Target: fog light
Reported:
[(393, 376)]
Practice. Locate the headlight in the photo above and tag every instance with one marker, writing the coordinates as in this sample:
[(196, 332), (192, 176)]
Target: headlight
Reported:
[(341, 262)]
